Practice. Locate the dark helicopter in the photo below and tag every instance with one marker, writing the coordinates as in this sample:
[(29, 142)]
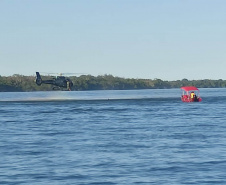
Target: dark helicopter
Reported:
[(60, 82)]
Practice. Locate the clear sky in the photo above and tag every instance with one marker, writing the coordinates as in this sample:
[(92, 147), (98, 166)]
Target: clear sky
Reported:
[(166, 39)]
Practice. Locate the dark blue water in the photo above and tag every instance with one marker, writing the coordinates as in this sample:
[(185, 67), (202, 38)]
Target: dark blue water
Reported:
[(112, 137)]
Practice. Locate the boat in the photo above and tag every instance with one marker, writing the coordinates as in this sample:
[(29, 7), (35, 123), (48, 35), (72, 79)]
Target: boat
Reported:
[(190, 94)]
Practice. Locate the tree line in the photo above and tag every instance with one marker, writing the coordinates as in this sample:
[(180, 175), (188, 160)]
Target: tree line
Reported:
[(20, 83)]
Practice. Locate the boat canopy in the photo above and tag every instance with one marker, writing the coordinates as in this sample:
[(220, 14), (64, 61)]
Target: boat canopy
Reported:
[(190, 88)]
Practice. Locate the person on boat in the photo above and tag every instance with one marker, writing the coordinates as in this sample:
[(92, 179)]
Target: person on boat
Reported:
[(196, 98), (192, 95)]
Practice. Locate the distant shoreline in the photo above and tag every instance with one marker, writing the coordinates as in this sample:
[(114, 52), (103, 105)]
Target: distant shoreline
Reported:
[(20, 83)]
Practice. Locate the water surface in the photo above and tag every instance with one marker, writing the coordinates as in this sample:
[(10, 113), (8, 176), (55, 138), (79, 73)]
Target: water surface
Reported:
[(112, 137)]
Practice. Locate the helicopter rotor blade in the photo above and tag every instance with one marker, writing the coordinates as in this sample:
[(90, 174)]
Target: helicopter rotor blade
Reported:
[(61, 74)]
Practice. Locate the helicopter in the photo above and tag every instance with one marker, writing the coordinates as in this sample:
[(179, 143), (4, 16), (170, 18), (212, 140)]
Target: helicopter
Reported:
[(59, 82)]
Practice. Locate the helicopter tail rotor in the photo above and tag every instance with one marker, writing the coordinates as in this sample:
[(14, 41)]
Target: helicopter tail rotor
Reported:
[(38, 79), (69, 84)]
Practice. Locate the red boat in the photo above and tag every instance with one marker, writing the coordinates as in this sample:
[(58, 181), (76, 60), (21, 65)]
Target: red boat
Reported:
[(190, 94)]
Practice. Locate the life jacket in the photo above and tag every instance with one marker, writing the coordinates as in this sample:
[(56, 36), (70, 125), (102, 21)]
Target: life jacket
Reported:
[(192, 95)]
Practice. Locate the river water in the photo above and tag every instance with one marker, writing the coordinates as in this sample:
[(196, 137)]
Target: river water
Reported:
[(112, 137)]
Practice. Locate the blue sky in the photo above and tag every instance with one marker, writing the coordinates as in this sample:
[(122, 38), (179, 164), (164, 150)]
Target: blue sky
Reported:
[(166, 39)]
